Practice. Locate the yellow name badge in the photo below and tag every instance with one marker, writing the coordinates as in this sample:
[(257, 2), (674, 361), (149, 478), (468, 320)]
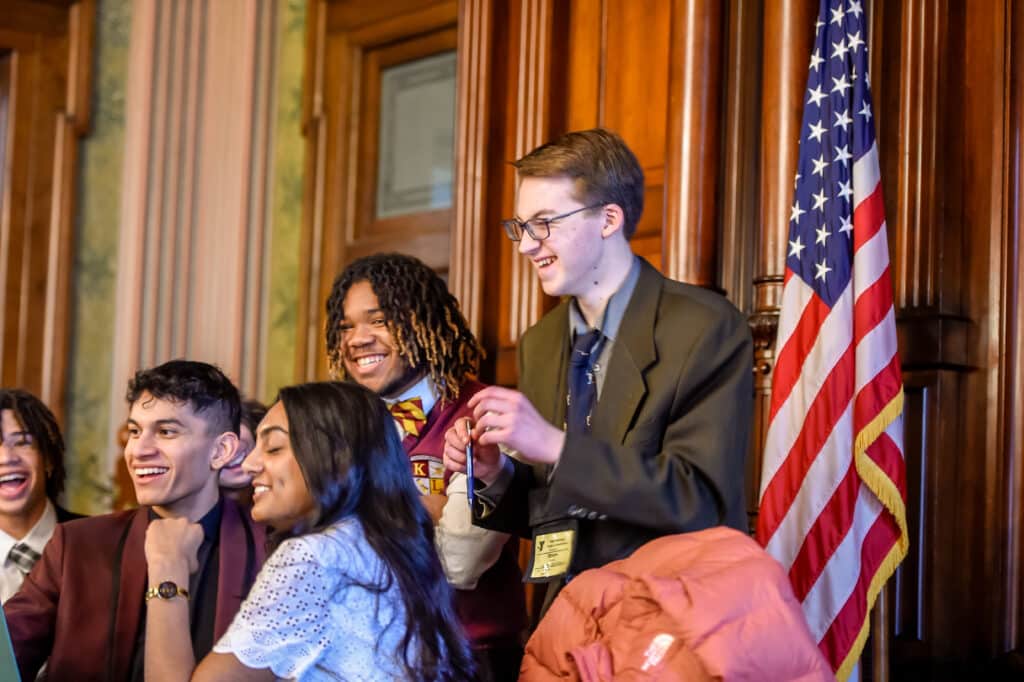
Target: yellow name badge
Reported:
[(552, 554)]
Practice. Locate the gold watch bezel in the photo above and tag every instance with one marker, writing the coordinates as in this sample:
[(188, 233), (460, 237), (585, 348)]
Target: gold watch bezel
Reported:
[(166, 590)]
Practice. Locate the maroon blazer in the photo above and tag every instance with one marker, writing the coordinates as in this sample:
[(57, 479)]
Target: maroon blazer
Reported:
[(82, 604)]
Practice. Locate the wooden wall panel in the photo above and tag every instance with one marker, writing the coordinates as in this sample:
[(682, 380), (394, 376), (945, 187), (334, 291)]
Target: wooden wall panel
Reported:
[(348, 42), (47, 65)]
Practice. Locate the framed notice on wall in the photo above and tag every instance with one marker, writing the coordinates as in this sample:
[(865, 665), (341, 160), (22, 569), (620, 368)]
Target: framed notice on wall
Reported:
[(417, 136)]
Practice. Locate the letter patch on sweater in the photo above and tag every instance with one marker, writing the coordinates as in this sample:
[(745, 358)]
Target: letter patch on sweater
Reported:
[(428, 474)]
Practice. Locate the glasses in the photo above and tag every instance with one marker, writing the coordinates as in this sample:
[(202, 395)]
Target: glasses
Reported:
[(539, 229)]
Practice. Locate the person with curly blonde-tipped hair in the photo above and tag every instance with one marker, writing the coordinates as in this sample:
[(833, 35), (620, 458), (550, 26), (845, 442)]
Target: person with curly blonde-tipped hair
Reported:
[(393, 327)]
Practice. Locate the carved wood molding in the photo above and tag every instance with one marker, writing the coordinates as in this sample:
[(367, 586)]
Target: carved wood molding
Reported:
[(532, 128), (471, 152)]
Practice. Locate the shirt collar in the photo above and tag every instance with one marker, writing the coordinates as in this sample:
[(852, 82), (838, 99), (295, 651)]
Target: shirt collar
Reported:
[(35, 538), (423, 389), (611, 318)]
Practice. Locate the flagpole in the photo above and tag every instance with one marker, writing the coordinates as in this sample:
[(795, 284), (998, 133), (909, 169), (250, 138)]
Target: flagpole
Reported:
[(880, 637)]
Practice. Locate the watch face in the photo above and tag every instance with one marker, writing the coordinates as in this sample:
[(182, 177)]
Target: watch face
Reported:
[(167, 590)]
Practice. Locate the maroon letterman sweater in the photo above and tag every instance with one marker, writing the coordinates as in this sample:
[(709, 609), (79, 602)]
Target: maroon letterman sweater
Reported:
[(493, 614)]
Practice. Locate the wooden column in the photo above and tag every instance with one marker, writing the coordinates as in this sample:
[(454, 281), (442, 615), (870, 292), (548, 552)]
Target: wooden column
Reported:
[(694, 144), (787, 39), (740, 152), (469, 234), (1014, 343), (532, 128)]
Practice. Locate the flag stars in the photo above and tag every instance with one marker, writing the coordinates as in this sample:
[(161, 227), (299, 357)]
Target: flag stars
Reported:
[(821, 234), (845, 189), (796, 212), (839, 49), (847, 226), (819, 165), (819, 200), (817, 130), (822, 269), (796, 247), (865, 111), (837, 16), (843, 119), (840, 85), (816, 60), (843, 155), (816, 95), (855, 8), (854, 41)]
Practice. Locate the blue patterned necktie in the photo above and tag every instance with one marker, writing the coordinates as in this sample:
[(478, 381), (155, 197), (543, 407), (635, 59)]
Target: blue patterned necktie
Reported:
[(582, 385)]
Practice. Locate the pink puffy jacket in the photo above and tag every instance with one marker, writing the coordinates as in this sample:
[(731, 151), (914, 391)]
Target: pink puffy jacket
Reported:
[(710, 605)]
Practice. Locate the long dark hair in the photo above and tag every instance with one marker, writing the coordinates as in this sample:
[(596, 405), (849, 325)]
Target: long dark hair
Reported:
[(348, 450)]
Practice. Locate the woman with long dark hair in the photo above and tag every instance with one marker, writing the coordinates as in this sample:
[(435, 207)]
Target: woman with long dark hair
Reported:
[(354, 589)]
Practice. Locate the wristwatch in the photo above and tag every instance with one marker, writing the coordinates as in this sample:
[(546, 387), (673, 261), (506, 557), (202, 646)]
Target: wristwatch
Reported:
[(168, 589)]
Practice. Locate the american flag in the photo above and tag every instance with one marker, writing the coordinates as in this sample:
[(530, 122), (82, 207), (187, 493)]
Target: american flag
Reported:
[(833, 486)]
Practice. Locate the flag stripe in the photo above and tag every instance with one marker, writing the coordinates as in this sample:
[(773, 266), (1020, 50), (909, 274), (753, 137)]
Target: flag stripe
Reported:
[(828, 405), (886, 385), (843, 569), (788, 421), (868, 218), (885, 453), (847, 623), (831, 525), (823, 477), (794, 354)]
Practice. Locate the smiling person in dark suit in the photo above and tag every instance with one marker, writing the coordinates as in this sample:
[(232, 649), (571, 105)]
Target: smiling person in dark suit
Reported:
[(83, 603), (633, 413)]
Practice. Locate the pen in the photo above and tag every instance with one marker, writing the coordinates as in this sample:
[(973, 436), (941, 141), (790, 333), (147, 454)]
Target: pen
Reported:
[(470, 492)]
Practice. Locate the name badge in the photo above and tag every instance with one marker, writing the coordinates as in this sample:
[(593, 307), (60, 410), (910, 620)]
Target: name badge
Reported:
[(553, 549)]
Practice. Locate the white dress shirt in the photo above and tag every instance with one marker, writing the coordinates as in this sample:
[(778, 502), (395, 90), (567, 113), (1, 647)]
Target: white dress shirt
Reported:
[(466, 551), (10, 575)]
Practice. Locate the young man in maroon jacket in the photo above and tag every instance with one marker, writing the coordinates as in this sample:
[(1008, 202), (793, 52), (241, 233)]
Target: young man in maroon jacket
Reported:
[(393, 327), (83, 605)]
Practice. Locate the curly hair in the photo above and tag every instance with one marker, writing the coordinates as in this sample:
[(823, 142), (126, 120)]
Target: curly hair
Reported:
[(35, 417), (200, 385), (424, 319)]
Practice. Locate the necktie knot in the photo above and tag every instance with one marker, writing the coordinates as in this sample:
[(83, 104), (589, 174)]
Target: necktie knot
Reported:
[(409, 413), (23, 556), (584, 346)]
